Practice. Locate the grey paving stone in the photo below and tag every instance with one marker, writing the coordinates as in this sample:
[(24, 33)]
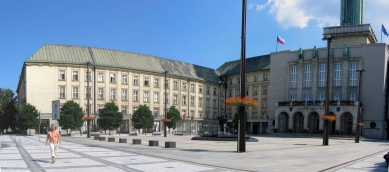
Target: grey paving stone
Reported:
[(71, 162), (14, 170), (13, 163), (169, 167), (87, 169), (59, 155), (90, 149), (133, 159), (10, 156), (107, 153)]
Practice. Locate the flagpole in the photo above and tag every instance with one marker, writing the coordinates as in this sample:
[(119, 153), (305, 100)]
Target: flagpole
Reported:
[(276, 45), (382, 25)]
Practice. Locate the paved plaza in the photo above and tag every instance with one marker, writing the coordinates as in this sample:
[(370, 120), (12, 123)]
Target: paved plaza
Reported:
[(78, 153)]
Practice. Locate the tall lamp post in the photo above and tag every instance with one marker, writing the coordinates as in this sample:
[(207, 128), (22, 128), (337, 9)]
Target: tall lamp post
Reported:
[(329, 39), (87, 98), (242, 117), (357, 132), (164, 123)]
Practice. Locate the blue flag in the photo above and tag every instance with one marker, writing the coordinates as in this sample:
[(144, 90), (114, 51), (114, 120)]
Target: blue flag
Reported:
[(384, 31), (314, 104)]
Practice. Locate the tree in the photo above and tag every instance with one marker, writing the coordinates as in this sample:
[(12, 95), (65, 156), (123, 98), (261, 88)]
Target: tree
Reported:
[(71, 114), (236, 120), (6, 96), (143, 117), (110, 117), (28, 117), (8, 118), (174, 115)]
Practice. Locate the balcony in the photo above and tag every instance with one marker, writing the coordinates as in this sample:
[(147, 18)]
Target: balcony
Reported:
[(318, 103)]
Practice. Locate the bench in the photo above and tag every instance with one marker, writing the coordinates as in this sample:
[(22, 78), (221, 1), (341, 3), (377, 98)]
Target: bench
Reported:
[(111, 139), (122, 140), (153, 143), (95, 134), (136, 141), (157, 133), (133, 134), (170, 144), (101, 138), (96, 137)]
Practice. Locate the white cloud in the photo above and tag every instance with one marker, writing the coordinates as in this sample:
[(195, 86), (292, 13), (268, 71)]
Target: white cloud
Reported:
[(250, 6)]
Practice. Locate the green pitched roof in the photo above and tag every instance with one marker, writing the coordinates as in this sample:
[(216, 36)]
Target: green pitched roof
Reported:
[(119, 59), (252, 64)]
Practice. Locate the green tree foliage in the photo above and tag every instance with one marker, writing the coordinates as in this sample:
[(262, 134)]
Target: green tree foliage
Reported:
[(143, 117), (7, 96), (174, 115), (236, 120), (71, 114), (110, 117), (28, 117), (8, 118)]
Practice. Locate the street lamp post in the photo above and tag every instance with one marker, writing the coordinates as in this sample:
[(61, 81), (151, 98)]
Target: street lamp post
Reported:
[(88, 95), (357, 132), (329, 39), (242, 117), (164, 123)]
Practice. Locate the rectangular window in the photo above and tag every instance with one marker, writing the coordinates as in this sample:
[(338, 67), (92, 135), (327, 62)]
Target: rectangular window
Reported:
[(156, 97), (230, 81), (124, 109), (255, 78), (246, 79), (155, 112), (255, 90), (264, 103), (337, 97), (207, 114), (353, 74), (112, 78), (246, 91), (75, 76), (192, 113), (175, 99), (62, 74), (237, 92), (322, 75), (192, 87), (264, 89), (135, 109), (101, 93), (237, 80), (293, 77), (338, 74), (124, 95), (183, 100), (264, 77), (307, 97), (136, 80), (200, 114), (230, 92), (192, 101), (175, 85), (124, 79), (184, 86), (353, 97), (322, 97), (307, 76), (62, 92), (146, 96), (88, 76), (200, 88), (200, 102), (135, 96), (88, 92), (214, 103), (166, 83), (156, 82), (166, 98), (293, 97), (146, 81), (75, 92), (214, 91), (207, 102), (101, 107), (100, 78), (208, 90), (113, 94)]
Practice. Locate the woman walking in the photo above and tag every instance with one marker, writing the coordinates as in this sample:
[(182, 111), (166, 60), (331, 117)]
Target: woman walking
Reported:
[(55, 138)]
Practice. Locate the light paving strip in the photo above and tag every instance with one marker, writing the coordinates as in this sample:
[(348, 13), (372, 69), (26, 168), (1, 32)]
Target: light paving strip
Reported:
[(32, 165)]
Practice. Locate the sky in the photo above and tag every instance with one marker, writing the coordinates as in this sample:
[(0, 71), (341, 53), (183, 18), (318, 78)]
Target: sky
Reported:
[(201, 32)]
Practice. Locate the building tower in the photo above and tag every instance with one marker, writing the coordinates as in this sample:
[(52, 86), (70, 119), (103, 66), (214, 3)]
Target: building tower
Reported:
[(351, 12)]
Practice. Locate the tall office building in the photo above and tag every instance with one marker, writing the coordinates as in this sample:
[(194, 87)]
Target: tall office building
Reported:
[(351, 12)]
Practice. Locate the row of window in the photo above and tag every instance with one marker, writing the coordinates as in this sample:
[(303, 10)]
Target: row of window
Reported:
[(322, 97), (322, 75), (247, 79), (255, 91)]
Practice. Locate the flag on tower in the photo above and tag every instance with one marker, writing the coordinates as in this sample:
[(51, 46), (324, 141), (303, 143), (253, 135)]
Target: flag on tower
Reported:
[(384, 31), (280, 40)]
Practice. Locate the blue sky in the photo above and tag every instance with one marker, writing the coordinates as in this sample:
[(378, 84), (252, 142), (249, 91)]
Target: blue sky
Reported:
[(201, 32)]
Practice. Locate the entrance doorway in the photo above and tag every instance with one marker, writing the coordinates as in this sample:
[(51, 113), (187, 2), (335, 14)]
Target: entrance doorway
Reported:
[(313, 123), (283, 122), (346, 123), (298, 121)]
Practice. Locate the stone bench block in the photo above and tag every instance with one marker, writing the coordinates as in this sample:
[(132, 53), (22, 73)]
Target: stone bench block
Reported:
[(96, 137), (157, 133), (111, 139), (153, 143), (122, 140), (133, 134), (101, 138), (95, 134), (136, 141), (170, 144)]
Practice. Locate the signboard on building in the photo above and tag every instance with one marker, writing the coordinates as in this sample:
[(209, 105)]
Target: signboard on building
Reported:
[(55, 109)]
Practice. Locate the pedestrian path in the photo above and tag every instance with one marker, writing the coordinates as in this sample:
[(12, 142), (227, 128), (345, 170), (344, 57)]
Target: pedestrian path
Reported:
[(33, 155)]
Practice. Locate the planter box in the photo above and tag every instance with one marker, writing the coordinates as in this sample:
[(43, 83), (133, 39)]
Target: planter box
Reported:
[(122, 140), (170, 144), (101, 138), (136, 141), (111, 139), (153, 143), (96, 137)]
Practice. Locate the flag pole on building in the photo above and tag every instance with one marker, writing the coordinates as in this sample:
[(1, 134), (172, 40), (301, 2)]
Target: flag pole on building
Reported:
[(383, 30), (279, 41)]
